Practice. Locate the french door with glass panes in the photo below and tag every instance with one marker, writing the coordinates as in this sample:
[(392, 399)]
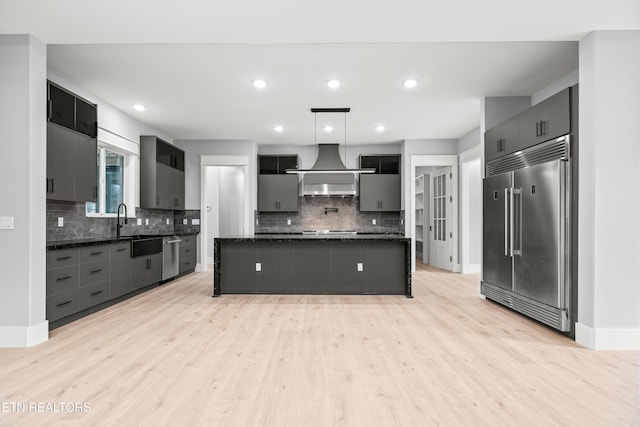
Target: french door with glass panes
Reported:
[(441, 224)]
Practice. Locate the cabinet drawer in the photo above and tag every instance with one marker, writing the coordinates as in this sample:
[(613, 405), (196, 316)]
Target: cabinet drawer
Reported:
[(93, 295), (94, 272), (93, 253), (62, 305), (62, 280), (62, 258), (187, 264), (120, 250)]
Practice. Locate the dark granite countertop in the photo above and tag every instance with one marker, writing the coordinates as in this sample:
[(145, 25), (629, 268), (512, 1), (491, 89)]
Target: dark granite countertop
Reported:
[(68, 244), (296, 237)]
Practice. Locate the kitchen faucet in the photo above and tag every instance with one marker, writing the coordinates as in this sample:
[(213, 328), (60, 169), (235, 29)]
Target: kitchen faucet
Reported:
[(118, 225)]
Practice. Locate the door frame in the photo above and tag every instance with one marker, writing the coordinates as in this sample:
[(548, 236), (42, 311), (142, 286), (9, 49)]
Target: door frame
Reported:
[(433, 160), (220, 160), (448, 217), (466, 157)]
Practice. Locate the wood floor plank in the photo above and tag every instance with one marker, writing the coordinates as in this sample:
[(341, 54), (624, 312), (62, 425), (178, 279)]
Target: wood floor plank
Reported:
[(176, 356)]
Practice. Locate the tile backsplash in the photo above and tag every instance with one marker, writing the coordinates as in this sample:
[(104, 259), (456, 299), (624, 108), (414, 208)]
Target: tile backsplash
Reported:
[(329, 213), (76, 225)]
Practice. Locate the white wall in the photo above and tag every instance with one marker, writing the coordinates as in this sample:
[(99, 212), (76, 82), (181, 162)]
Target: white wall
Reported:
[(469, 140), (569, 80), (24, 146), (609, 194), (212, 202)]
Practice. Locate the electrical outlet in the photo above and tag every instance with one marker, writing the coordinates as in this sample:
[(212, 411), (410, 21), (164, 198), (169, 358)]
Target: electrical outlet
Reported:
[(288, 222), (258, 266), (185, 221), (373, 222), (195, 221), (60, 221), (6, 223), (146, 221), (167, 221), (360, 266), (139, 221)]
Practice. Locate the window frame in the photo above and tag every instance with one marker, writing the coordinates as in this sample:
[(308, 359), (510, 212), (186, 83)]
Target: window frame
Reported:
[(129, 184)]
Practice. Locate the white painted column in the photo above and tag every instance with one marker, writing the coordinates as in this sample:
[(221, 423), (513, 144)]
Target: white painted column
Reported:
[(23, 80), (609, 194)]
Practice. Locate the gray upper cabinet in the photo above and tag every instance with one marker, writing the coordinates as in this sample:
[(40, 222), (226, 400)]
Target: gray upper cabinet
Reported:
[(380, 191), (72, 171), (549, 119), (277, 190), (161, 174)]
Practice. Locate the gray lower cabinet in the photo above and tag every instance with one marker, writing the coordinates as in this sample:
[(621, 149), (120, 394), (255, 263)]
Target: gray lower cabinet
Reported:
[(379, 192), (278, 193), (79, 279), (120, 269), (146, 270), (188, 253)]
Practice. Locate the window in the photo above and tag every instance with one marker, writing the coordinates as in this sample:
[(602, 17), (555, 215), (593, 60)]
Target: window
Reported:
[(112, 189)]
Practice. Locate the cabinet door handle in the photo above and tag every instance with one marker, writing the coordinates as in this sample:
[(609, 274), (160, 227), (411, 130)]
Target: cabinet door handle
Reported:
[(148, 264), (157, 200), (543, 128), (60, 279), (537, 129), (93, 294), (96, 271), (49, 109), (121, 250), (64, 303), (63, 258), (52, 187), (96, 253)]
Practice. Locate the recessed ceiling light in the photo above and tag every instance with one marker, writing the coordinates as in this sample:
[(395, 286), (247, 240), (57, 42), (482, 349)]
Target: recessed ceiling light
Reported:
[(333, 83), (278, 128), (410, 83), (259, 83), (328, 128), (139, 107), (379, 128)]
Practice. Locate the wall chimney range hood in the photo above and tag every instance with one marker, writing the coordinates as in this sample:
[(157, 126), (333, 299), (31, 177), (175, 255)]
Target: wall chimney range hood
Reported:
[(329, 176)]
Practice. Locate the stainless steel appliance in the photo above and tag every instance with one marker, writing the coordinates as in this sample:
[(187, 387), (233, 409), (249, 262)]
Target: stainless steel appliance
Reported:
[(527, 225), (170, 257)]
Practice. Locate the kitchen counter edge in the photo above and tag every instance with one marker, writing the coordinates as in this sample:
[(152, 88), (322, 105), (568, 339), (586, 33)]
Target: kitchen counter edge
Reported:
[(68, 244)]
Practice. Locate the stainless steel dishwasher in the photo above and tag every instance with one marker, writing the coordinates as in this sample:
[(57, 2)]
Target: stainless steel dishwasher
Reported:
[(170, 257)]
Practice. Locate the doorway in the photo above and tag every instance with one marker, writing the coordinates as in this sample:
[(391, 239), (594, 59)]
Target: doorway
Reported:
[(225, 189), (441, 223), (224, 204)]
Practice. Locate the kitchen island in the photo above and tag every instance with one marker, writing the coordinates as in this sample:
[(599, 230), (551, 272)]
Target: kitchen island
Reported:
[(378, 264)]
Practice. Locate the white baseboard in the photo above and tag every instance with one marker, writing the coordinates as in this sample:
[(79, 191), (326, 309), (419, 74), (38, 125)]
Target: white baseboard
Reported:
[(471, 268), (608, 339), (24, 336)]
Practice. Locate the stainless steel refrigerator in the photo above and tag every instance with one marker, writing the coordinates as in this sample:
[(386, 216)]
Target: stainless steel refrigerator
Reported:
[(527, 226)]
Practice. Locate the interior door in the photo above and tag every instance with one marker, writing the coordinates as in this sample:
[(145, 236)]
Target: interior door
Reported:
[(497, 265), (440, 228), (539, 232)]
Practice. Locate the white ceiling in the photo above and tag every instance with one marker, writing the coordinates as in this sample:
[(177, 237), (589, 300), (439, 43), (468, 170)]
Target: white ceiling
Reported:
[(192, 62)]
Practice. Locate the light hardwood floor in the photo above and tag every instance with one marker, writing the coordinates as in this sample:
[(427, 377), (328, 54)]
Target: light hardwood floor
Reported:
[(175, 356)]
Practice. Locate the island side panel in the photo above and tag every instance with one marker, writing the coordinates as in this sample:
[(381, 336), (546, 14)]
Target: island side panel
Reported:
[(386, 268), (237, 271)]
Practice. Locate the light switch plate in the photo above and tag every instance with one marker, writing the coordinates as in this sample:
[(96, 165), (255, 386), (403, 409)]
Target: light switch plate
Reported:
[(146, 221), (373, 221), (288, 222), (258, 266), (195, 221), (185, 221), (167, 221), (60, 221), (6, 223), (139, 221), (360, 266)]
